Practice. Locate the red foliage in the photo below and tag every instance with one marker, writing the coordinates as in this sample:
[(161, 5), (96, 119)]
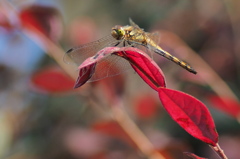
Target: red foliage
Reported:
[(191, 114), (227, 105), (146, 68), (140, 61), (52, 80), (87, 68), (43, 18), (85, 73)]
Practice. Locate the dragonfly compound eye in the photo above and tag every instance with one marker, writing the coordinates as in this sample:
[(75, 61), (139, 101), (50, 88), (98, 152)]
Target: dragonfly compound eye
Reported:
[(117, 33)]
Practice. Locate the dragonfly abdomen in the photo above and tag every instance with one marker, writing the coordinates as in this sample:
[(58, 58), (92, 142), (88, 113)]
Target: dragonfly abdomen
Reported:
[(176, 60)]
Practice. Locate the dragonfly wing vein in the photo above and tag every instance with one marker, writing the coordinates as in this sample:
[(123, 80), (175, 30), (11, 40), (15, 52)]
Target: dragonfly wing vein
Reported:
[(78, 54), (110, 66)]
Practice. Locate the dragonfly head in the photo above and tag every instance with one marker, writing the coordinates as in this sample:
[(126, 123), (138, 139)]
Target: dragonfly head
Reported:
[(117, 32)]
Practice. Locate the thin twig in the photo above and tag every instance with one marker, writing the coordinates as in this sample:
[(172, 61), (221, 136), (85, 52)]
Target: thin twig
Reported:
[(131, 129), (135, 133), (219, 151), (232, 8), (207, 74)]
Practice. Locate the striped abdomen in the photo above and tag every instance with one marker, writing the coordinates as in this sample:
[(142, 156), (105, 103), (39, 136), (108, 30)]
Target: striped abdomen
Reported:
[(175, 60)]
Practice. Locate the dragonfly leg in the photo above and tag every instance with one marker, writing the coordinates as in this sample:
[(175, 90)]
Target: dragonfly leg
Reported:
[(124, 43), (129, 43), (117, 44)]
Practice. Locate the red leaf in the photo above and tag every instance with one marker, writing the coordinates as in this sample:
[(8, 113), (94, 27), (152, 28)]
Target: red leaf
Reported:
[(85, 73), (191, 114), (87, 68), (193, 156), (43, 18), (52, 80), (147, 69), (140, 61), (227, 105)]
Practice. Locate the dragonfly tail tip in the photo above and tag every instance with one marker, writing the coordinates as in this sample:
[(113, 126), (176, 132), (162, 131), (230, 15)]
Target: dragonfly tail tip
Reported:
[(193, 71)]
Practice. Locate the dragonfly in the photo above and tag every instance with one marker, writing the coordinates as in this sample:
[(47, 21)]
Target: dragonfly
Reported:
[(121, 36)]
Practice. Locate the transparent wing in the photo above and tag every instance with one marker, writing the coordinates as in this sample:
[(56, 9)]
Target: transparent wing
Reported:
[(133, 24), (78, 54), (154, 37), (110, 66)]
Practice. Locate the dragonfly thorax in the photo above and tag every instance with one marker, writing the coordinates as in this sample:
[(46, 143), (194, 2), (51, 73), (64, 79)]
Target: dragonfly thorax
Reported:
[(122, 32)]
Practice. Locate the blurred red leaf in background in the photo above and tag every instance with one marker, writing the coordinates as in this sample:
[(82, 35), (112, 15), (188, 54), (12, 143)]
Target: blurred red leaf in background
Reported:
[(113, 129), (191, 114), (146, 106), (52, 80), (45, 19), (227, 105)]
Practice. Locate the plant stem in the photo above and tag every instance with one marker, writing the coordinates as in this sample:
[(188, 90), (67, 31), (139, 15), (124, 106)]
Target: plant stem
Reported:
[(135, 133), (219, 151)]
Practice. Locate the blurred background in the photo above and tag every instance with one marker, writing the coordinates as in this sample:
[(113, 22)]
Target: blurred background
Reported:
[(43, 117)]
